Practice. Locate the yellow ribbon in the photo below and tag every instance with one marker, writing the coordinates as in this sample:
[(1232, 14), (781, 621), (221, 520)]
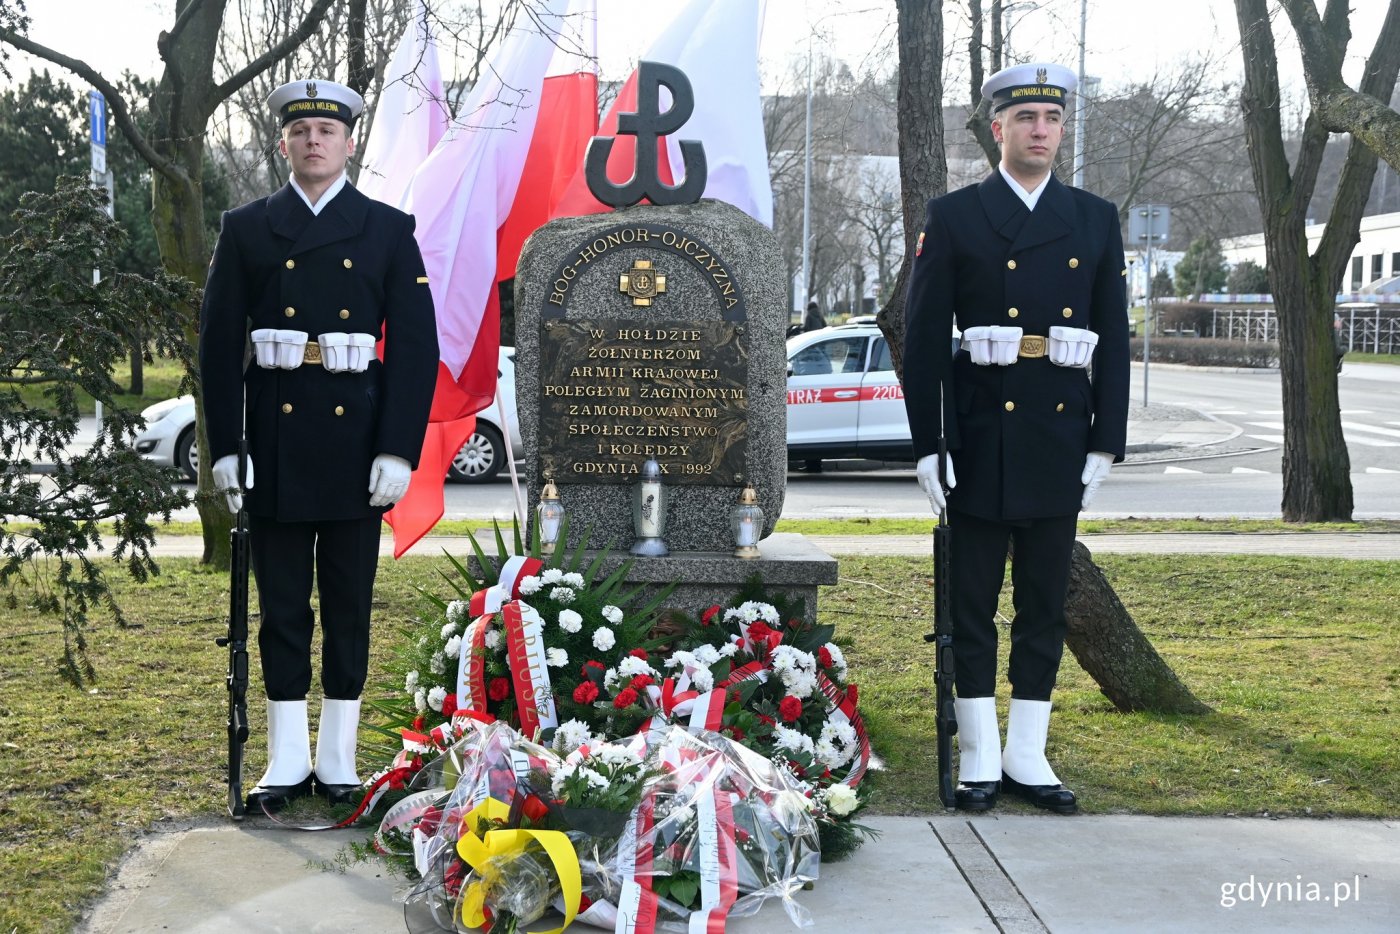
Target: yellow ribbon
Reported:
[(478, 851)]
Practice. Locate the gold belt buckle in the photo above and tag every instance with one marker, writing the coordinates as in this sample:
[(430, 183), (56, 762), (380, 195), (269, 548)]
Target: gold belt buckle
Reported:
[(1032, 345), (313, 353)]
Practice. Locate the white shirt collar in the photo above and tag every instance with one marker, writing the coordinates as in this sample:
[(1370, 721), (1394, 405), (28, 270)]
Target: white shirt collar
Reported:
[(326, 195), (1029, 197)]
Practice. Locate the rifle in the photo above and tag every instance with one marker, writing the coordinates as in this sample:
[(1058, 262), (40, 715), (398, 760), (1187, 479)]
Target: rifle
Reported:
[(237, 643), (945, 715)]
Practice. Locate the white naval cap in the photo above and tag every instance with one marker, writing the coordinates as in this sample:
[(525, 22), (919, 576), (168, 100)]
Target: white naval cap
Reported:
[(1037, 82), (312, 97)]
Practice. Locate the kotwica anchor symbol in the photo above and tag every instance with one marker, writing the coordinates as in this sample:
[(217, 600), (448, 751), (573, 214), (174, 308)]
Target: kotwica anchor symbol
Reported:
[(649, 124)]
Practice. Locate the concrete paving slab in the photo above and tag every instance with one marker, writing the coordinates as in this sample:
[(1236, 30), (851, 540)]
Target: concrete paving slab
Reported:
[(1133, 873), (226, 879)]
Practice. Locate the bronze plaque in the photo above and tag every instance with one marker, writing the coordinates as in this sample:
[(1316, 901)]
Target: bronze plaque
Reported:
[(616, 392)]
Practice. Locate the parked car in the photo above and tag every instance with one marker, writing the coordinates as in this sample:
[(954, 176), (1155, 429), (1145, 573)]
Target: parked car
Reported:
[(168, 439)]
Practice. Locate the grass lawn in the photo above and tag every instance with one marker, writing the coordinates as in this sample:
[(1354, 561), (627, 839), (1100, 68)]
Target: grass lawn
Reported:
[(162, 381), (1300, 659), (1358, 357)]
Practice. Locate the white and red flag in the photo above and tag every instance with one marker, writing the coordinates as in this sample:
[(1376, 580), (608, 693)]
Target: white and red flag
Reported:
[(504, 153), (715, 43)]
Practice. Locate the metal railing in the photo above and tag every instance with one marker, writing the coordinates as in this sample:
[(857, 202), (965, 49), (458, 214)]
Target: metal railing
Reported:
[(1362, 330)]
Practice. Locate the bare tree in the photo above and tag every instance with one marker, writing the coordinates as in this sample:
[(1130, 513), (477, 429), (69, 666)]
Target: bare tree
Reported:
[(1316, 467)]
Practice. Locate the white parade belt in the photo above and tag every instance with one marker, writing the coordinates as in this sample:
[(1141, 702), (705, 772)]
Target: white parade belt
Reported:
[(337, 352), (998, 345)]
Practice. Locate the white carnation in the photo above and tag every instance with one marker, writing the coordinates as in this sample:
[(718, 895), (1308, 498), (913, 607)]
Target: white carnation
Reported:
[(457, 612), (702, 679), (439, 664), (410, 683), (556, 658), (787, 738), (840, 799), (453, 646), (617, 756), (529, 585), (420, 700), (570, 621), (564, 595), (838, 659), (552, 576), (612, 614), (611, 679), (450, 628), (435, 698), (603, 639), (631, 666), (706, 654), (751, 611), (570, 735), (573, 579), (728, 649), (492, 639)]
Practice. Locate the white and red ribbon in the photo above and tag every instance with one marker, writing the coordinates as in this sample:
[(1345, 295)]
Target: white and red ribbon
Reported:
[(844, 709), (525, 650)]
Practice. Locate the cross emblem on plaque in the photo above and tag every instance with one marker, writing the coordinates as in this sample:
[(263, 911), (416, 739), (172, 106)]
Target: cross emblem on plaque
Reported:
[(641, 283)]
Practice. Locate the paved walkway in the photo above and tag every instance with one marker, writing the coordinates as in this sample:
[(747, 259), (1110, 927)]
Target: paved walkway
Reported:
[(1008, 872)]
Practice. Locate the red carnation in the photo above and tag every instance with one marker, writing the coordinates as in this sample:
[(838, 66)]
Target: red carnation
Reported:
[(823, 657), (851, 694), (759, 630), (767, 719), (708, 617), (640, 682), (449, 705), (790, 708), (592, 664), (498, 689), (418, 722), (794, 623), (586, 693), (639, 653), (626, 698), (737, 733)]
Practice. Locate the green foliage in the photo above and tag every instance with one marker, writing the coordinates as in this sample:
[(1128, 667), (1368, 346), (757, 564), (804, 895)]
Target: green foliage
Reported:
[(1202, 268), (1248, 278), (1162, 284), (64, 335)]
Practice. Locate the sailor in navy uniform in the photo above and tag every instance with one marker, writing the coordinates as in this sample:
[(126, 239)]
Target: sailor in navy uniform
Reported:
[(311, 277), (1034, 411)]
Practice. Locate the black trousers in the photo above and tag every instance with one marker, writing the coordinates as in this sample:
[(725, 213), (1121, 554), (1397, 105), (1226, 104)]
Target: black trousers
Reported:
[(343, 557), (1039, 580)]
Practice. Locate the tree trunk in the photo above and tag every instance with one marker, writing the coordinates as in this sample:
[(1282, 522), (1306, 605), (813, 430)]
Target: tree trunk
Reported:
[(138, 367), (1113, 651)]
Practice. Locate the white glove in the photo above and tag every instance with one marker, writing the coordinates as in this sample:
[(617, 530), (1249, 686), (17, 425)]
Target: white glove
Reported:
[(388, 480), (225, 471), (927, 470), (1096, 468)]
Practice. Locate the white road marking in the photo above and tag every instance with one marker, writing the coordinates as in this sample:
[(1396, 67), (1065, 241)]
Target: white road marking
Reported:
[(1181, 470), (1373, 429), (1271, 439), (1381, 470), (1247, 470)]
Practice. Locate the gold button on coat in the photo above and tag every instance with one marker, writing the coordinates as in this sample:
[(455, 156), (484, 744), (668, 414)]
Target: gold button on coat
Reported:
[(1011, 264), (340, 409), (286, 408), (1068, 312), (290, 312), (344, 313), (1073, 263), (1060, 407), (1010, 406), (348, 264), (291, 264), (1012, 312)]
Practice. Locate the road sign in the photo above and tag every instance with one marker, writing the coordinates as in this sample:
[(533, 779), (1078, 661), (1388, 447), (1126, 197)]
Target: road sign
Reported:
[(1149, 224), (97, 132)]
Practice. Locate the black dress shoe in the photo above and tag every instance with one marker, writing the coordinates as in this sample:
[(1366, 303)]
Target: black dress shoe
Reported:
[(339, 794), (976, 796), (276, 797), (1056, 798)]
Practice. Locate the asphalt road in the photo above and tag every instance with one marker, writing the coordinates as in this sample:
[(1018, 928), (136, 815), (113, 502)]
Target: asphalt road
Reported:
[(1242, 485)]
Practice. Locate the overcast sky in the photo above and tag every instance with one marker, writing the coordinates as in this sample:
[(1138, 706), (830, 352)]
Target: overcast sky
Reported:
[(1127, 40)]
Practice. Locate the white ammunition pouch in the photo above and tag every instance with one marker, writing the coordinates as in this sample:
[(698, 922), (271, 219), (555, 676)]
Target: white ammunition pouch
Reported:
[(1071, 347), (277, 349), (992, 345), (346, 353)]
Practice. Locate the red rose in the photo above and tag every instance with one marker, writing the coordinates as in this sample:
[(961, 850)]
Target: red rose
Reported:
[(586, 693), (851, 693), (708, 617), (823, 657), (534, 808), (639, 653), (449, 705), (626, 698), (499, 689), (790, 709), (640, 682)]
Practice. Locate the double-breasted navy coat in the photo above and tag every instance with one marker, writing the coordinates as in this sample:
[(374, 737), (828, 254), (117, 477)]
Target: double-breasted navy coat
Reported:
[(313, 434), (1018, 434)]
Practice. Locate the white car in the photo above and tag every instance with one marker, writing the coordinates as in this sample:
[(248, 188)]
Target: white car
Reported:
[(843, 399), (168, 439)]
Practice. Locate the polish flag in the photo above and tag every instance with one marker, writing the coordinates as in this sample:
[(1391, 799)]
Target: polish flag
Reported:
[(489, 182), (715, 43)]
